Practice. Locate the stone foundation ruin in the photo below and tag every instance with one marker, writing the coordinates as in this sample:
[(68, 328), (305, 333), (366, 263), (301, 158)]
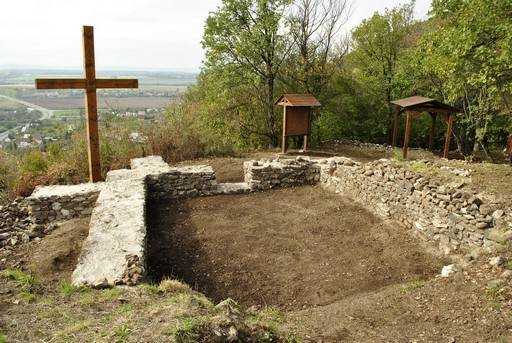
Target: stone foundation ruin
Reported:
[(115, 250)]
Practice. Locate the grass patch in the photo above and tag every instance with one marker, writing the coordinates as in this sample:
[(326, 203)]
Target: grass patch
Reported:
[(121, 334), (187, 329), (68, 289), (507, 264), (411, 286), (419, 166), (495, 294), (151, 289), (3, 339), (112, 293), (397, 155), (124, 308), (269, 318), (26, 296), (67, 113), (68, 333), (52, 313), (22, 279), (173, 286), (86, 299)]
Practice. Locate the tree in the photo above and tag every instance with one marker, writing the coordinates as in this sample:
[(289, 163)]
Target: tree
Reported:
[(244, 47), (313, 29), (378, 44), (467, 58)]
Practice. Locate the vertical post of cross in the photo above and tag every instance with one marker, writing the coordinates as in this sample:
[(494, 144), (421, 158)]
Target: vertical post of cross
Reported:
[(91, 105)]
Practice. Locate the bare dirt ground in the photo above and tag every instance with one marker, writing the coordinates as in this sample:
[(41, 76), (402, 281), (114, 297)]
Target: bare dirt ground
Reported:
[(338, 273), (38, 303), (290, 248)]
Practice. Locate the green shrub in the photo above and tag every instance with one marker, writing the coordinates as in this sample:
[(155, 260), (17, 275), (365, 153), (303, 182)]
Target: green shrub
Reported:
[(35, 163), (8, 176)]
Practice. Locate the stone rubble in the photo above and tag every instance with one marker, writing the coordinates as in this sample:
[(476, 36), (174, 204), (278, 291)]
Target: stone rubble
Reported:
[(378, 147), (449, 270)]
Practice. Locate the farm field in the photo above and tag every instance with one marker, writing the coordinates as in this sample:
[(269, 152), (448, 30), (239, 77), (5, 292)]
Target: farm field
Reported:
[(103, 102)]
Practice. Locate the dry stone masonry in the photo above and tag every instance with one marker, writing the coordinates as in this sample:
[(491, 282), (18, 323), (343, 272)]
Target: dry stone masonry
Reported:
[(444, 213), (264, 174), (15, 225), (115, 250), (57, 203)]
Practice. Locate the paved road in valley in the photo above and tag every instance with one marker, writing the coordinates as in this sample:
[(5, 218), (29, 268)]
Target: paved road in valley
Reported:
[(45, 113)]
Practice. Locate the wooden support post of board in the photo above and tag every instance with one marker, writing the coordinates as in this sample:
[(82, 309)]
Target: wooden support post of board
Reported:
[(395, 126), (407, 134), (305, 146), (433, 115), (284, 139), (91, 105), (448, 135)]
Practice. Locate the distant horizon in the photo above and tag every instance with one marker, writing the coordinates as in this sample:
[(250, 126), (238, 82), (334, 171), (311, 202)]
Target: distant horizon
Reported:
[(24, 67)]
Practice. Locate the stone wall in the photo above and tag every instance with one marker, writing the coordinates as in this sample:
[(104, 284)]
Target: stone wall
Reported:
[(114, 251), (183, 182), (56, 203), (264, 174), (15, 225), (164, 181), (445, 213)]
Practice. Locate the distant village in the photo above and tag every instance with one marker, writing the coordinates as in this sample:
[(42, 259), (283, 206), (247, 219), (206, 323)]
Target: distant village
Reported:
[(32, 134)]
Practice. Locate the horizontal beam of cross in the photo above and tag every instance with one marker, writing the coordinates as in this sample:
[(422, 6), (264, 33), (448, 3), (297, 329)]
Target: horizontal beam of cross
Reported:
[(83, 84)]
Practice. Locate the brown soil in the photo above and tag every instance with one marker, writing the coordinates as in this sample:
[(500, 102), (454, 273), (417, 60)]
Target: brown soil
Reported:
[(55, 256), (291, 248)]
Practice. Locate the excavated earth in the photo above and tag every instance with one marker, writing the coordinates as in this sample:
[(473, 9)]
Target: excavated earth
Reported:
[(290, 248)]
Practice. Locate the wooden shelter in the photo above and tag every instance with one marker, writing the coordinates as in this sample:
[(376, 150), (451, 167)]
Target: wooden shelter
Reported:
[(415, 105), (296, 117)]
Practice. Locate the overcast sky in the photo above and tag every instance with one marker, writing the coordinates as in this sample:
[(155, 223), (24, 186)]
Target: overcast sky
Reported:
[(141, 34)]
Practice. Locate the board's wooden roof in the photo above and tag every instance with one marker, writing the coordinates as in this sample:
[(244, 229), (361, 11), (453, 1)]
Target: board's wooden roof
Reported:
[(424, 104), (298, 100)]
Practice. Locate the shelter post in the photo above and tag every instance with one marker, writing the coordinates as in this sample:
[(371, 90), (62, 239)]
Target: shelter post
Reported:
[(407, 134), (284, 141), (448, 135)]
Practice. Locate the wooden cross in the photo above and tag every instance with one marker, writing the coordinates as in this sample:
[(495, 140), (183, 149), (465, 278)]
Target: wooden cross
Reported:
[(90, 83)]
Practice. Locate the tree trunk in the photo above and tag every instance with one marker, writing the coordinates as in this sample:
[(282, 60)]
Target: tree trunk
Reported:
[(270, 112)]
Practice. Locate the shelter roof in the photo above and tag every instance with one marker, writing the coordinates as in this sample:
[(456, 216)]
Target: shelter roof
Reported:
[(424, 104), (298, 100)]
